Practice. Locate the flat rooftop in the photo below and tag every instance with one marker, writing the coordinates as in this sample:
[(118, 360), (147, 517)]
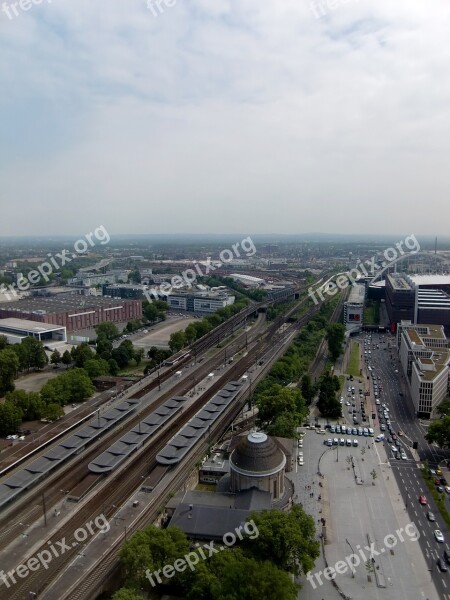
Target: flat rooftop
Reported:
[(357, 294), (26, 325), (399, 282), (61, 304)]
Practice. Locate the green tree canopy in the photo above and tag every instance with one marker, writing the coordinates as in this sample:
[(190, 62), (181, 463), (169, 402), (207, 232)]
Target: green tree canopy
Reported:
[(107, 329), (335, 338), (288, 539), (9, 366), (439, 432)]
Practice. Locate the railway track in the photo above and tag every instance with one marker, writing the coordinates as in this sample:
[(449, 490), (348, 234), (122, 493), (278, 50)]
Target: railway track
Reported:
[(20, 512), (117, 488)]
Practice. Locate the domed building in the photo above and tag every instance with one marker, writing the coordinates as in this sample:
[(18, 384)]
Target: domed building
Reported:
[(257, 462)]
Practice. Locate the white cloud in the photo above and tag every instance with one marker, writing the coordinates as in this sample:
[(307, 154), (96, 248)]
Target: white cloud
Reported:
[(225, 116)]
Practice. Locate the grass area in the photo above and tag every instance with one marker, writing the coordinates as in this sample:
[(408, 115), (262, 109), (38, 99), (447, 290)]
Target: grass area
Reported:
[(353, 363), (371, 313), (439, 498)]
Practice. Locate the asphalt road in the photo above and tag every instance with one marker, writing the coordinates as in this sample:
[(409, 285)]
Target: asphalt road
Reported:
[(408, 475)]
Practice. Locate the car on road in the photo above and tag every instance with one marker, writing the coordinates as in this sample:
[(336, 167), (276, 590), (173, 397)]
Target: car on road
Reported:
[(430, 516), (423, 500), (447, 556), (438, 535), (441, 564)]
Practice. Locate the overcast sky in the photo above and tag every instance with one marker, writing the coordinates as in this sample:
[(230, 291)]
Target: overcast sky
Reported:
[(216, 116)]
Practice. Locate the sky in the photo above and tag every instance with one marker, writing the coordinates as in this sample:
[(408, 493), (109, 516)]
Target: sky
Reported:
[(224, 116)]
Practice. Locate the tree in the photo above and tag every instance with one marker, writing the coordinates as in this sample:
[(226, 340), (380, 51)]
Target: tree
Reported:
[(121, 356), (96, 367), (9, 365), (439, 432), (288, 539), (150, 311), (307, 388), (328, 404), (30, 403), (230, 575), (31, 354), (66, 358), (104, 346), (134, 276), (374, 475), (71, 386), (151, 549), (3, 342), (53, 412), (277, 401), (107, 329), (177, 341), (81, 354), (138, 355), (113, 367), (10, 418), (55, 358), (335, 337)]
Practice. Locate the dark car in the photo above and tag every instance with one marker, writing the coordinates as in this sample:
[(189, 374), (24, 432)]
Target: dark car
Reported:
[(443, 481), (441, 564), (447, 556)]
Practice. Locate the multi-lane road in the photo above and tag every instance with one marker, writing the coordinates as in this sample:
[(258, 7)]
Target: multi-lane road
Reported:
[(394, 393)]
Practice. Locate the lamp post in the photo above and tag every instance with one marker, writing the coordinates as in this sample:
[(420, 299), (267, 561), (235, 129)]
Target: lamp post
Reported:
[(353, 552)]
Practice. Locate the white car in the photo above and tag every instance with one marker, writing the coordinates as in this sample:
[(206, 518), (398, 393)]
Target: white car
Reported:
[(447, 489), (438, 535)]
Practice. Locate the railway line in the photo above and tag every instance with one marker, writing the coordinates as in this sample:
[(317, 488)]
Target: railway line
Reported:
[(117, 489), (20, 511)]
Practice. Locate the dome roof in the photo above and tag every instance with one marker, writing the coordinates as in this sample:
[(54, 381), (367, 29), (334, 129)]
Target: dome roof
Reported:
[(257, 453)]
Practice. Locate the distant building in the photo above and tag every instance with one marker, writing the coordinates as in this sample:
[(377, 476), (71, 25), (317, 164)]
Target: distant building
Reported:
[(18, 329), (247, 280), (354, 309), (124, 290), (400, 298), (199, 302), (424, 356), (72, 311)]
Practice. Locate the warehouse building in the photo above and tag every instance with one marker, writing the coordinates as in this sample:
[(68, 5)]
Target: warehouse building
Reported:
[(18, 329), (72, 312)]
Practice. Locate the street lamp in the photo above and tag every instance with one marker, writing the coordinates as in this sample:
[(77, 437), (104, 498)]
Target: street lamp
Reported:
[(353, 552)]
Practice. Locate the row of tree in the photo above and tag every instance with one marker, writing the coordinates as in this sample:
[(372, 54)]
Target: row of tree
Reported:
[(198, 329), (282, 409), (281, 545)]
